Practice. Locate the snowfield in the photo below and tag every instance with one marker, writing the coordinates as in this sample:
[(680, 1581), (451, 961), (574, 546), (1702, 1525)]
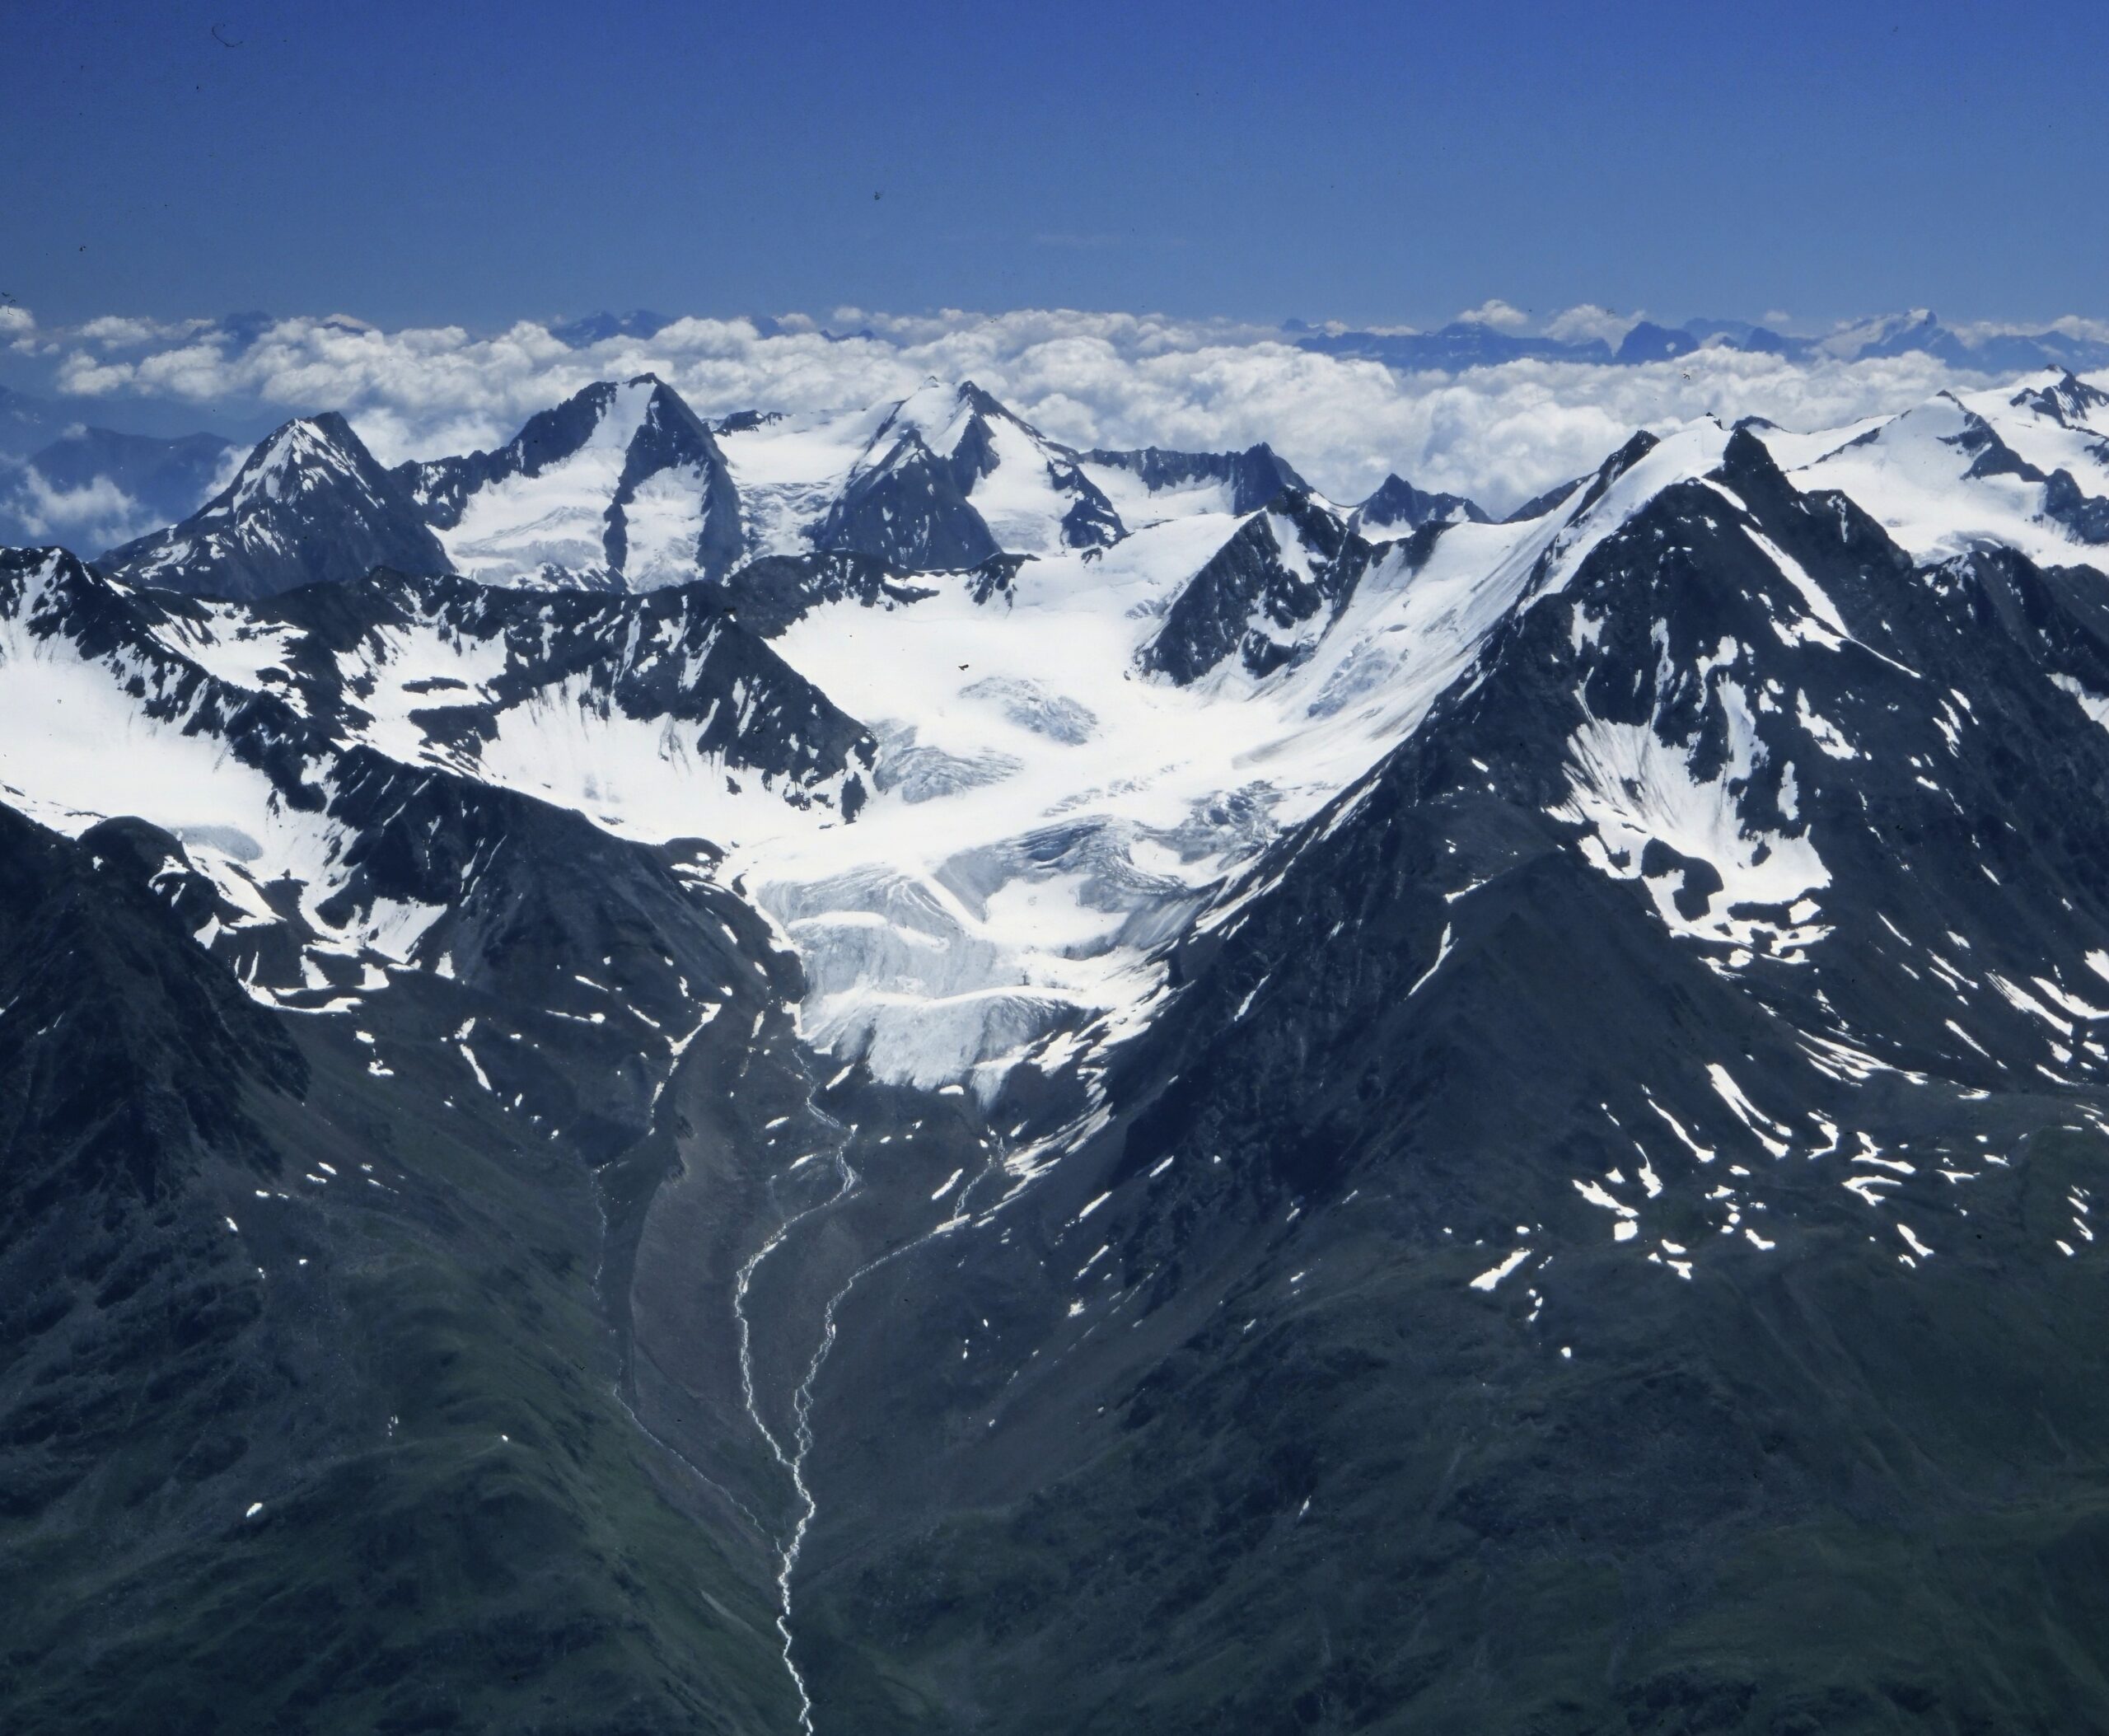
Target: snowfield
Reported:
[(1038, 812)]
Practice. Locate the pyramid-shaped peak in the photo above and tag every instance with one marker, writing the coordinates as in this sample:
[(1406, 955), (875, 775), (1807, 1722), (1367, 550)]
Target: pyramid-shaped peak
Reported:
[(984, 401), (1397, 505), (324, 432), (942, 415), (1395, 490), (608, 413), (666, 405), (309, 504), (294, 456), (1747, 464), (1260, 473), (331, 425)]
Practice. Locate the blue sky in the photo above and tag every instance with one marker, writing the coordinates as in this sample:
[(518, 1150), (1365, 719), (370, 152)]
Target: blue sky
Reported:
[(1393, 164)]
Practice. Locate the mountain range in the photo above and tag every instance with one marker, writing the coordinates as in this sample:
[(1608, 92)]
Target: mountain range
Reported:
[(96, 487), (1466, 343), (866, 1073)]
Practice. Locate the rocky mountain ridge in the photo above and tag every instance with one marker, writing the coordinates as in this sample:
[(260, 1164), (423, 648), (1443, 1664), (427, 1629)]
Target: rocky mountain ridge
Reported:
[(1090, 1090)]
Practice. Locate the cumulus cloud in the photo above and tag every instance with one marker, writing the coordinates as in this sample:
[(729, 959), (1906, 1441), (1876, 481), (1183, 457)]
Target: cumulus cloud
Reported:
[(116, 331), (2070, 325), (1499, 434), (1495, 312), (98, 516), (18, 331), (1578, 324)]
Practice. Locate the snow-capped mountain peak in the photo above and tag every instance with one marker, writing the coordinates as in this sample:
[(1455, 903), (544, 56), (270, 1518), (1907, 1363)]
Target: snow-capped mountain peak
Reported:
[(305, 455), (309, 504), (1397, 508), (621, 486), (1003, 613), (2067, 400), (951, 477), (942, 415), (2024, 469)]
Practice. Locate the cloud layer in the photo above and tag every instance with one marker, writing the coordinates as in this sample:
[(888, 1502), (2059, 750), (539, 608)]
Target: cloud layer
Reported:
[(96, 515), (1499, 434)]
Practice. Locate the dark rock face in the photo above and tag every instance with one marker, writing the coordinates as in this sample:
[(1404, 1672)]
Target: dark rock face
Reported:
[(1435, 1259), (2070, 401), (913, 508), (1250, 598), (673, 438), (296, 1326), (673, 656), (321, 1308), (1090, 521), (310, 507), (909, 511), (768, 595), (1398, 507)]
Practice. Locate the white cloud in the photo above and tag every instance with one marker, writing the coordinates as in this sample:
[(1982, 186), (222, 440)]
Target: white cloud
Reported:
[(91, 518), (16, 322), (2071, 326), (116, 331), (83, 376), (1499, 434), (1495, 312), (1578, 324)]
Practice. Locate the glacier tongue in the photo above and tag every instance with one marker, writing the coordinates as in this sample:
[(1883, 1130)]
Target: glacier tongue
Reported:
[(1047, 814)]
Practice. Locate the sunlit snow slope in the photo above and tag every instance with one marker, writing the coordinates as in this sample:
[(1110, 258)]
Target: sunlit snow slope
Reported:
[(1022, 713)]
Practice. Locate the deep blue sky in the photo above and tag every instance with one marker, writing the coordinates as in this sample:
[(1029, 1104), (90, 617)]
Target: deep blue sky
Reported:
[(477, 162)]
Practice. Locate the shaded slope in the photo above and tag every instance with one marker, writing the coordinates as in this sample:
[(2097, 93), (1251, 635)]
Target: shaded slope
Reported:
[(1256, 1411), (310, 505), (307, 1408), (1398, 507)]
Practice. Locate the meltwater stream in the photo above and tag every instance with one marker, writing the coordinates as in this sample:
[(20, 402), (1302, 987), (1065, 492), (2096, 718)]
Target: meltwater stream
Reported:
[(793, 1458), (794, 1462)]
